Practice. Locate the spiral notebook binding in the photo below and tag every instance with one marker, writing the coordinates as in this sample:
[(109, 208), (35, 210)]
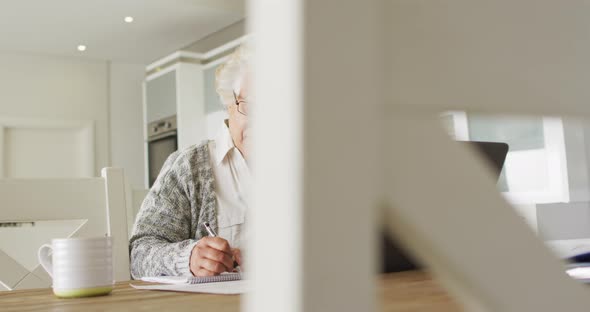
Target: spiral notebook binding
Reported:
[(213, 279)]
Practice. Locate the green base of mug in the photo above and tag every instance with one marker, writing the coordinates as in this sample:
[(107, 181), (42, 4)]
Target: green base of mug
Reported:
[(83, 292)]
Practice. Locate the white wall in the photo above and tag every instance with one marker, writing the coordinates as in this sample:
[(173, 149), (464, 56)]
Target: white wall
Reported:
[(59, 88), (126, 131), (126, 121), (50, 87)]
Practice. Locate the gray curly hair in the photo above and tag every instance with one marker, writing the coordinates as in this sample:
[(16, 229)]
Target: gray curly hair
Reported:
[(229, 75)]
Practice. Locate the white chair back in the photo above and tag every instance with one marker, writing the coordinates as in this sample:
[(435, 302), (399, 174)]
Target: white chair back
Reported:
[(99, 202)]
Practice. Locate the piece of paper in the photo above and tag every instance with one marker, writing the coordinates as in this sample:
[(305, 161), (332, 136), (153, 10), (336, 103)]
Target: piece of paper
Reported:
[(166, 279), (221, 288), (223, 277)]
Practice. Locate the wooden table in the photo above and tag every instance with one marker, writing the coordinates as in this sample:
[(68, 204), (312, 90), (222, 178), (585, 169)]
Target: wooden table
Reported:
[(406, 291)]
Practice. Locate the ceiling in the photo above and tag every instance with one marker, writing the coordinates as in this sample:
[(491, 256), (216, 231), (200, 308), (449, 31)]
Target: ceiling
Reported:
[(160, 27)]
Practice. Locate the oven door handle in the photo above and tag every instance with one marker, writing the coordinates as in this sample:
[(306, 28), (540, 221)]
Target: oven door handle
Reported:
[(162, 136)]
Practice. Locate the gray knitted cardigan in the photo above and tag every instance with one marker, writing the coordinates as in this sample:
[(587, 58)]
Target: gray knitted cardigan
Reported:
[(168, 224)]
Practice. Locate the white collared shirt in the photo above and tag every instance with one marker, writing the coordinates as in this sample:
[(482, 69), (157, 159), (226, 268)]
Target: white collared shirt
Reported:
[(232, 178)]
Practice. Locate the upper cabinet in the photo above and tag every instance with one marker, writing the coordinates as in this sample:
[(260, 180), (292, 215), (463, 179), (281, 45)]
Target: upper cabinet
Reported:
[(161, 97)]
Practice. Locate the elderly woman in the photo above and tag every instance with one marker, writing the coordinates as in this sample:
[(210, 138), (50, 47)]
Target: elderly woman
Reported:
[(204, 183)]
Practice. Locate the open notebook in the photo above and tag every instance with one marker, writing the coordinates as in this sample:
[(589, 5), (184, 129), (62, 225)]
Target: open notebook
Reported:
[(223, 277), (225, 283), (221, 288)]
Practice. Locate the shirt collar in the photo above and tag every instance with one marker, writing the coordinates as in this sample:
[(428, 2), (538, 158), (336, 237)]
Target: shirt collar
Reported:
[(223, 143)]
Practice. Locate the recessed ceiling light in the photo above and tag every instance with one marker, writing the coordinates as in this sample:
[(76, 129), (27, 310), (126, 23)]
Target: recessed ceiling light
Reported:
[(81, 47), (128, 19)]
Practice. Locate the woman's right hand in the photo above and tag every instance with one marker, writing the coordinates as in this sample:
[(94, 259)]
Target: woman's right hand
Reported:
[(211, 256)]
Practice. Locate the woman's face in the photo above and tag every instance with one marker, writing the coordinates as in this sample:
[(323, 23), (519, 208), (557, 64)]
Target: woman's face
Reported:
[(238, 122)]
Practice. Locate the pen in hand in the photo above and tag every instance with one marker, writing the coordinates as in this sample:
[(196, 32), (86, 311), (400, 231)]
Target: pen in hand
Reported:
[(213, 234)]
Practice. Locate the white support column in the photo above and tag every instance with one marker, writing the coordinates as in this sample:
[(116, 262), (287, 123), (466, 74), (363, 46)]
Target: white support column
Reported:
[(2, 152), (275, 250), (190, 105), (317, 132), (342, 123)]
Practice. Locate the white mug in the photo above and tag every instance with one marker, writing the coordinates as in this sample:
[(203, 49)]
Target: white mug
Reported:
[(79, 267)]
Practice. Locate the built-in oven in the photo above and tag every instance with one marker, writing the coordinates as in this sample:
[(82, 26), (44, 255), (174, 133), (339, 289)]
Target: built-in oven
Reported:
[(162, 141)]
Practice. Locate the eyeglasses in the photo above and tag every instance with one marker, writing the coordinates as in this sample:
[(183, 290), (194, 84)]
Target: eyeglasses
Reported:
[(242, 105)]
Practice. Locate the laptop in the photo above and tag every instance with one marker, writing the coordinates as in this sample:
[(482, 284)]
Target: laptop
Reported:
[(393, 258)]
